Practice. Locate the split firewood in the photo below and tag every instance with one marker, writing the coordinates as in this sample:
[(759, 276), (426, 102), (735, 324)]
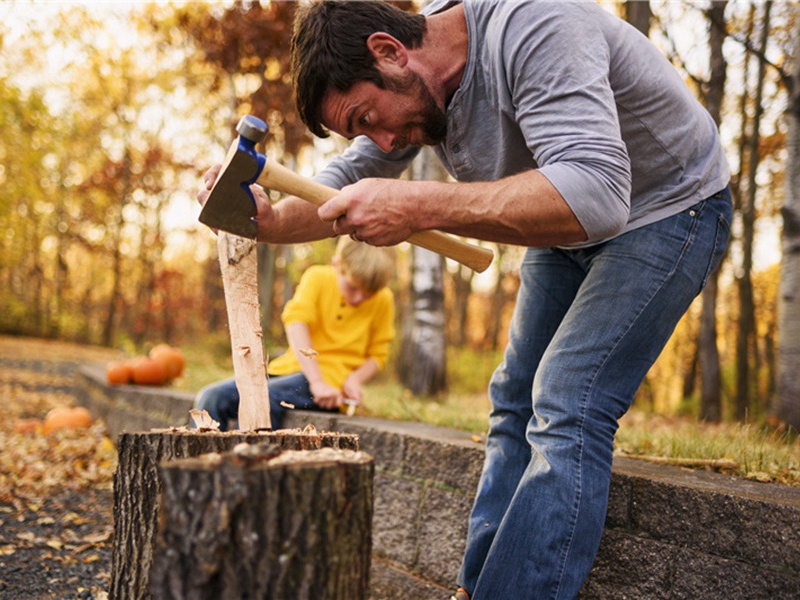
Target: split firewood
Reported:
[(237, 259)]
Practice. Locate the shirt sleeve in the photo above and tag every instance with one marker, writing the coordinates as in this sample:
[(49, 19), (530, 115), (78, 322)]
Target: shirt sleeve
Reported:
[(382, 332), (363, 159), (305, 303), (557, 65)]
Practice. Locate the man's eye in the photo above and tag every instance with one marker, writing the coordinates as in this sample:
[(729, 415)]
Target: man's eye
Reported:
[(364, 120)]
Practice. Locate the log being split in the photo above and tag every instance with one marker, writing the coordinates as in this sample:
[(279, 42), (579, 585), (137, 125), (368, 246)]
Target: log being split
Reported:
[(237, 260), (137, 487), (263, 524)]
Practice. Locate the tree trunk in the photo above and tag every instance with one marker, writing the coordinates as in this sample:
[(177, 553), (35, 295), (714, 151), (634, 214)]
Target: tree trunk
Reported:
[(462, 286), (137, 488), (422, 363), (746, 346), (708, 351), (266, 288), (638, 14), (263, 524), (788, 384), (495, 318)]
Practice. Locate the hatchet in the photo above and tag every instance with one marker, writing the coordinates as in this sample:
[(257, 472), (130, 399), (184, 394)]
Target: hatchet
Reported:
[(231, 207)]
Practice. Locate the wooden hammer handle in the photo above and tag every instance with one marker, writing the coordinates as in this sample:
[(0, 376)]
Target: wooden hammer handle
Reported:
[(277, 177)]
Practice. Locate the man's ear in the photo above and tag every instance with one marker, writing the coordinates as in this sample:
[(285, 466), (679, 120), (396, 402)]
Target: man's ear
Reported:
[(387, 49)]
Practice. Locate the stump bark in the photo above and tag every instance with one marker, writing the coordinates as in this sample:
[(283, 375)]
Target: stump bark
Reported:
[(137, 488), (294, 525)]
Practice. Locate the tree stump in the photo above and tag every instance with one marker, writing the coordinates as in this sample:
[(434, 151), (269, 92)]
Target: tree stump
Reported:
[(283, 525), (137, 488)]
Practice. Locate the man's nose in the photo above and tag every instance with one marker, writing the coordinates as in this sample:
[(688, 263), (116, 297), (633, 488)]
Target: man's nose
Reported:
[(384, 139)]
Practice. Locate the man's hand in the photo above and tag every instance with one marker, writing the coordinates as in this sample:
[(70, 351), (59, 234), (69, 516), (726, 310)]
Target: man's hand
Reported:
[(325, 395), (377, 211), (263, 206)]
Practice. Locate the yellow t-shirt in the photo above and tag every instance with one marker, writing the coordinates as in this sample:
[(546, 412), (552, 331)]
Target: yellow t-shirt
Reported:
[(344, 336)]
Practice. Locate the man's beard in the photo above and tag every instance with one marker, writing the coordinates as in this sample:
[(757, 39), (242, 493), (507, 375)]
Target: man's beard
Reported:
[(432, 122)]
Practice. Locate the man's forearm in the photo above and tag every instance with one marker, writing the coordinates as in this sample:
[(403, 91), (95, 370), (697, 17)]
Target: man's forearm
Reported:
[(523, 209), (293, 221)]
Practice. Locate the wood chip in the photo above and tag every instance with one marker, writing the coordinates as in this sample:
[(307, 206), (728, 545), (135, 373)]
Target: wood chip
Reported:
[(203, 420), (308, 352)]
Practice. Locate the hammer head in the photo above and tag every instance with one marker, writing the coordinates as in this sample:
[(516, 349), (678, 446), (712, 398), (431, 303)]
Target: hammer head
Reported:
[(231, 206)]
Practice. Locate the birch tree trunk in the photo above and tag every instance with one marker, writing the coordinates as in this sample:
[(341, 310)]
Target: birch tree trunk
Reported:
[(422, 363), (239, 265), (788, 384)]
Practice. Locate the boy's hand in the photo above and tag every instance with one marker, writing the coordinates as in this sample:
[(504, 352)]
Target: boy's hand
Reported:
[(326, 396), (352, 388)]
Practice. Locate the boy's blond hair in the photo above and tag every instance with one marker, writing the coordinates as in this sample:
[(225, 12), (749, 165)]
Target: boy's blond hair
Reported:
[(371, 266)]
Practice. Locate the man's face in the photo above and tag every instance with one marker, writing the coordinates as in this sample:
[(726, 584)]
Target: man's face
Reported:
[(404, 113)]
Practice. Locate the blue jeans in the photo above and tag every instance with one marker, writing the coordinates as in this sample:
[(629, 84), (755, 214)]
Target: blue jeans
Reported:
[(221, 399), (587, 326)]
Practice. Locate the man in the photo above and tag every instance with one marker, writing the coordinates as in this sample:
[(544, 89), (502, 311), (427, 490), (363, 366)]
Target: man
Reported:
[(570, 134)]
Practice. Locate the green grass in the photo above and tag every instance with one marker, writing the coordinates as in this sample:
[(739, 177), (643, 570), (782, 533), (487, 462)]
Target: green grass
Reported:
[(760, 453)]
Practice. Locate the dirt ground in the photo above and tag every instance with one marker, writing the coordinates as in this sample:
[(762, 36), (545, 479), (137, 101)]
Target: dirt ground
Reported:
[(56, 500)]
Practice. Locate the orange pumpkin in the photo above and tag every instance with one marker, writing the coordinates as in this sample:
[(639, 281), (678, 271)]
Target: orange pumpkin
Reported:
[(147, 371), (172, 358), (66, 418), (119, 372), (27, 425)]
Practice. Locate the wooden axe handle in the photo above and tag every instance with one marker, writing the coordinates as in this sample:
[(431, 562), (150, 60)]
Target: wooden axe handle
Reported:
[(277, 177)]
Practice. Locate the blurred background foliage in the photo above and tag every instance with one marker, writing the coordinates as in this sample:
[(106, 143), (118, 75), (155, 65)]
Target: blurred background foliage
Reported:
[(110, 113)]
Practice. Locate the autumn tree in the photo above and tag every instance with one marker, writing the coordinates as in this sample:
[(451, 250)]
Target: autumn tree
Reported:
[(788, 384)]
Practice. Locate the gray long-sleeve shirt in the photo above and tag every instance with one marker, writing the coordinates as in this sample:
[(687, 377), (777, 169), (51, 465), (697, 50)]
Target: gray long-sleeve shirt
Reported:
[(581, 95)]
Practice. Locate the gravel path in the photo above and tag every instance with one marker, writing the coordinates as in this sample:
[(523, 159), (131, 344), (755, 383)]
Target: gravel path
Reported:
[(56, 519)]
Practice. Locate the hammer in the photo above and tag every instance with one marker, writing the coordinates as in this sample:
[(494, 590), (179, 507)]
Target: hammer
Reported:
[(231, 206)]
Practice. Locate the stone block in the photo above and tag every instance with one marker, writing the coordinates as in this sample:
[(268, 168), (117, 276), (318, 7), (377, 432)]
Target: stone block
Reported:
[(395, 521), (444, 516)]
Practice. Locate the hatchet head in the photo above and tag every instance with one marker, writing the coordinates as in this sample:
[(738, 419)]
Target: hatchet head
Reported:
[(231, 206)]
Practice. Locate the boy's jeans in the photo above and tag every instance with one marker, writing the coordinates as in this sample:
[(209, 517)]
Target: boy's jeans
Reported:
[(587, 326), (221, 399)]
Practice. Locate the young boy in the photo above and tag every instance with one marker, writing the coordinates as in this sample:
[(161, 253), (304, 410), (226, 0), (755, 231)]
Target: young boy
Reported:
[(339, 325)]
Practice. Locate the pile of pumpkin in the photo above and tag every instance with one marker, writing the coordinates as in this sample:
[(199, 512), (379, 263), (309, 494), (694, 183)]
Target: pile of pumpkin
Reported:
[(163, 364)]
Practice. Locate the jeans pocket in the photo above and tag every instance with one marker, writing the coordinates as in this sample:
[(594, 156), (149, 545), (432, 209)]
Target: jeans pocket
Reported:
[(722, 234)]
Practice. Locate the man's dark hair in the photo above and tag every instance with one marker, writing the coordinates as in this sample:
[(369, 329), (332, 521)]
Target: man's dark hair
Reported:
[(329, 48)]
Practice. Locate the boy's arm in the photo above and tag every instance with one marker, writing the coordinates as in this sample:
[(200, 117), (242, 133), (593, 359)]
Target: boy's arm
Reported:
[(299, 338), (352, 385)]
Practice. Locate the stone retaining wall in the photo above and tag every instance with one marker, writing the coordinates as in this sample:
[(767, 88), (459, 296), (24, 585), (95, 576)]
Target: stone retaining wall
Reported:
[(670, 533)]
